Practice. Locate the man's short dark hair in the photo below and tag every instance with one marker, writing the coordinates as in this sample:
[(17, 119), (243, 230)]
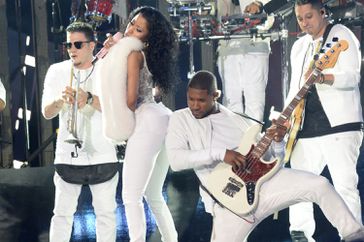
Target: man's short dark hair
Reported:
[(317, 4), (82, 27), (204, 80)]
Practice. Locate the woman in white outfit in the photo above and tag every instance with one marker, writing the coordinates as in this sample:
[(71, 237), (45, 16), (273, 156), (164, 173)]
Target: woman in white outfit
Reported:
[(152, 65)]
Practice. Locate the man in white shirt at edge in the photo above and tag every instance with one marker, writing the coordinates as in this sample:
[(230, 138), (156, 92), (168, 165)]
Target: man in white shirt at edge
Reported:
[(2, 96)]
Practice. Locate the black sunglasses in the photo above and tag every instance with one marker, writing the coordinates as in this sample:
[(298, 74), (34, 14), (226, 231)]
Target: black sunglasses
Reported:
[(77, 44)]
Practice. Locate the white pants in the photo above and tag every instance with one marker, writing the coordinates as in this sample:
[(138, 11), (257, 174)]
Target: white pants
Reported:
[(144, 174), (103, 201), (287, 187), (244, 75), (340, 153)]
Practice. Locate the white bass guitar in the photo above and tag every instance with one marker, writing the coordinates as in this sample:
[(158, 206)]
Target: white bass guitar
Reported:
[(237, 190)]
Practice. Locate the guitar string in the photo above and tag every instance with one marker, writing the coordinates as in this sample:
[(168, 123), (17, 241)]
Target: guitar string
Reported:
[(254, 161), (312, 62)]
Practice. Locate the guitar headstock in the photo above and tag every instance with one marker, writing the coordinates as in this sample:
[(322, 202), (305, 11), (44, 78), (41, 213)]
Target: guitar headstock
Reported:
[(330, 57)]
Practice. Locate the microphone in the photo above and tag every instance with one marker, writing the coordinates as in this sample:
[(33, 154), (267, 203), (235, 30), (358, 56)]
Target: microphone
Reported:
[(102, 53)]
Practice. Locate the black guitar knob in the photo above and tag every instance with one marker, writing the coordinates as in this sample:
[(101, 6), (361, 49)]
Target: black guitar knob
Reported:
[(335, 39), (328, 45)]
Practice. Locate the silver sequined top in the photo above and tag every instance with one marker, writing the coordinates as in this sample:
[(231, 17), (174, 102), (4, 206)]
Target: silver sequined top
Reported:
[(145, 86)]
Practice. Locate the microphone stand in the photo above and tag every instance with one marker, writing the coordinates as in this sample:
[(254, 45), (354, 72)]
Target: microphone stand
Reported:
[(19, 22)]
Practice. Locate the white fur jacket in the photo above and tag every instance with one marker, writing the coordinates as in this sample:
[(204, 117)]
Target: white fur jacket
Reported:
[(118, 120)]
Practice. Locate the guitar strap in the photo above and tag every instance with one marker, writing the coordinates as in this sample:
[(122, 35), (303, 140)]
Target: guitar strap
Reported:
[(319, 47), (326, 33), (249, 117), (298, 114)]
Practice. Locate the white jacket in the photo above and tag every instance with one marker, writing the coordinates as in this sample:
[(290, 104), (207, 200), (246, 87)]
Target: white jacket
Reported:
[(341, 101)]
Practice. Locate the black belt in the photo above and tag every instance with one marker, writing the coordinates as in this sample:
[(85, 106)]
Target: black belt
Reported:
[(337, 129)]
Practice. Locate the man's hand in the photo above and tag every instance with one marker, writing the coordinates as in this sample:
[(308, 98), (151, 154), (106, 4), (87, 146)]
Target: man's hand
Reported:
[(235, 159), (254, 8), (82, 98), (277, 131), (68, 96)]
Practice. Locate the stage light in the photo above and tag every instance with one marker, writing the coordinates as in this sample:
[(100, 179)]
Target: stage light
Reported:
[(29, 60), (16, 124), (27, 40), (20, 114)]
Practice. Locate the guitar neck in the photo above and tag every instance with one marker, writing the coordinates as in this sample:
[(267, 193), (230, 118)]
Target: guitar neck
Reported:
[(264, 143)]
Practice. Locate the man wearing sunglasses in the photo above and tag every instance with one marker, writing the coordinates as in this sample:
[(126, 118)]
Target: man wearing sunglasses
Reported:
[(70, 91)]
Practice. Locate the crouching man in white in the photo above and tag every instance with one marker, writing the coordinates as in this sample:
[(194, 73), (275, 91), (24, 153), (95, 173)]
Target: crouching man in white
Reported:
[(206, 133)]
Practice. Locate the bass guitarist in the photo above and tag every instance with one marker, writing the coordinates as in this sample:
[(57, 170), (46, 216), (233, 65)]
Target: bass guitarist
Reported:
[(207, 134)]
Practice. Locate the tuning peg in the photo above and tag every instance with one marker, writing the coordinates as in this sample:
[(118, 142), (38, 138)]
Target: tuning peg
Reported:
[(328, 45), (335, 39)]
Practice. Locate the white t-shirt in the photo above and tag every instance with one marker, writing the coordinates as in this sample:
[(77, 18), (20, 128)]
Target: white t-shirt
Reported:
[(95, 148)]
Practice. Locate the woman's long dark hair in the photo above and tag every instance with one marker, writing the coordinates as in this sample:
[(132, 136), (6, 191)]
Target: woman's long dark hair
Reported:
[(162, 48)]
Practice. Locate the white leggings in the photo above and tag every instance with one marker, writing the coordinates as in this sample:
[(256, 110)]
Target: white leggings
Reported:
[(144, 174)]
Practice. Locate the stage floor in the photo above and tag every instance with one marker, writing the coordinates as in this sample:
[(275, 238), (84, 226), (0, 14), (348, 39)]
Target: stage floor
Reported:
[(26, 202)]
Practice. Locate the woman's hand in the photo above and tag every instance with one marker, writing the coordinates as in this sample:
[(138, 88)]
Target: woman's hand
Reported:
[(109, 42)]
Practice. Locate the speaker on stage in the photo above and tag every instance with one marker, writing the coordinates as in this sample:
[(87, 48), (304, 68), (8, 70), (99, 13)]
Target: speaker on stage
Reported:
[(26, 203)]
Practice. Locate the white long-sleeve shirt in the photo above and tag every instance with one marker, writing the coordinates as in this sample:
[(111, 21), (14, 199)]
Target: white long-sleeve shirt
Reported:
[(200, 144)]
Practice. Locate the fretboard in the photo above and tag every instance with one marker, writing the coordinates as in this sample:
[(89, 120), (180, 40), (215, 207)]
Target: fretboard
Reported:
[(264, 143)]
